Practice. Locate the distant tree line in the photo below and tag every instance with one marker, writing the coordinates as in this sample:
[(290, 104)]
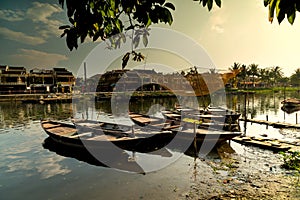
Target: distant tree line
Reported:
[(255, 76)]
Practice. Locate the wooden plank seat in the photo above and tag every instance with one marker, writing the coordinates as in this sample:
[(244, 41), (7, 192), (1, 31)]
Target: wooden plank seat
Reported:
[(106, 138), (50, 125), (135, 115), (89, 124), (146, 120), (81, 134), (161, 124), (171, 127), (62, 130)]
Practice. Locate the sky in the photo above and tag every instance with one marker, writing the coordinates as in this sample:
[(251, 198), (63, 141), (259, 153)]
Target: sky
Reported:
[(237, 32)]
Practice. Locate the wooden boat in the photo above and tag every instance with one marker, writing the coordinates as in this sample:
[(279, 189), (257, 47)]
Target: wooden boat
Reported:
[(100, 135), (217, 113), (154, 122), (185, 130), (291, 102), (203, 121), (262, 143)]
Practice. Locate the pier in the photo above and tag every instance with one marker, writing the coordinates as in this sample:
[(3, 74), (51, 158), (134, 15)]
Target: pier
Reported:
[(273, 124)]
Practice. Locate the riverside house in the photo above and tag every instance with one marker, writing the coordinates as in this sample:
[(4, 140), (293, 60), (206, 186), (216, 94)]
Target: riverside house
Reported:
[(15, 80)]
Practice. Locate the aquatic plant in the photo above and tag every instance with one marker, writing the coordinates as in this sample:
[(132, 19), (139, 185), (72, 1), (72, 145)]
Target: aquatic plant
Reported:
[(291, 160)]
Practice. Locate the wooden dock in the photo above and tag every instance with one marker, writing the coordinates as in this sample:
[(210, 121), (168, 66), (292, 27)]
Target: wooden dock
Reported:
[(273, 124), (269, 144)]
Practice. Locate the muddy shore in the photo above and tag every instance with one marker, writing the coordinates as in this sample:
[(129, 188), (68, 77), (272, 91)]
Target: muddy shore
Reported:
[(256, 174)]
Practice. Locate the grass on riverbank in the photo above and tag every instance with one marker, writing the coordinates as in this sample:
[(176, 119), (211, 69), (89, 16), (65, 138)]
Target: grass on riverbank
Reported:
[(265, 90)]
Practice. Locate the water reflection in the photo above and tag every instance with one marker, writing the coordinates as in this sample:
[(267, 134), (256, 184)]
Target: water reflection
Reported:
[(13, 115)]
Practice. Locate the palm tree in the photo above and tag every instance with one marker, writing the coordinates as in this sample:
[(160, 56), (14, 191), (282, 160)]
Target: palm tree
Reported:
[(263, 75), (276, 74), (295, 78), (253, 72), (235, 67)]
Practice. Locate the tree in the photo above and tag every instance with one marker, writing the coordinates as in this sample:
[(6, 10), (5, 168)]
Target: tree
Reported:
[(275, 74), (263, 75), (295, 78), (106, 18), (253, 72), (235, 67), (283, 8)]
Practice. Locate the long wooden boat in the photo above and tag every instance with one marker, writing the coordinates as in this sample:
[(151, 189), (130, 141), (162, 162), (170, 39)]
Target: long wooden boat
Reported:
[(215, 113), (101, 135), (203, 121), (185, 130)]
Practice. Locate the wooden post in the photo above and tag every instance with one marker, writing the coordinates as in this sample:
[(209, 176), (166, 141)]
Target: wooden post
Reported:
[(245, 113), (195, 137), (132, 130), (296, 118)]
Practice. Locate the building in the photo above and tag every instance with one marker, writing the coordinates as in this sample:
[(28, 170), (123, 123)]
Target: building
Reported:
[(13, 80), (191, 83), (64, 80), (41, 81)]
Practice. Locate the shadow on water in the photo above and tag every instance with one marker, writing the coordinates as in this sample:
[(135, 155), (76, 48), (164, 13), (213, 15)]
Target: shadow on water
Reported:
[(124, 161), (117, 157)]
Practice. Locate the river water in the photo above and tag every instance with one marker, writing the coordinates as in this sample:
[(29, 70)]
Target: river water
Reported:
[(33, 168)]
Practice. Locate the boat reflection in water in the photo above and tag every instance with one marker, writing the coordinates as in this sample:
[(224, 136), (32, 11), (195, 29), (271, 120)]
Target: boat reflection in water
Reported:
[(118, 158), (290, 110), (129, 161)]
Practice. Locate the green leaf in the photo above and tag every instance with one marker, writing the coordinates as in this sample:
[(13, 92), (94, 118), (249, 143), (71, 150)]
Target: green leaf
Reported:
[(96, 36), (278, 8), (64, 27), (291, 14), (204, 2), (136, 41), (125, 60), (145, 40), (280, 16), (218, 2), (149, 22), (266, 2), (170, 5), (169, 16), (272, 6), (209, 4), (123, 36)]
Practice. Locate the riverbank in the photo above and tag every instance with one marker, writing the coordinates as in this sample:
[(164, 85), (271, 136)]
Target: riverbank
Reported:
[(237, 176), (262, 90)]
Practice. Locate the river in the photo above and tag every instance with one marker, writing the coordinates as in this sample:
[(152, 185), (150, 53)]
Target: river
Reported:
[(32, 170)]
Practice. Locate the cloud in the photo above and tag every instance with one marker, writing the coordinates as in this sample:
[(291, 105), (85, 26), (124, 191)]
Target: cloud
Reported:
[(34, 58), (12, 16), (217, 28), (43, 17), (20, 37), (216, 22), (42, 14)]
